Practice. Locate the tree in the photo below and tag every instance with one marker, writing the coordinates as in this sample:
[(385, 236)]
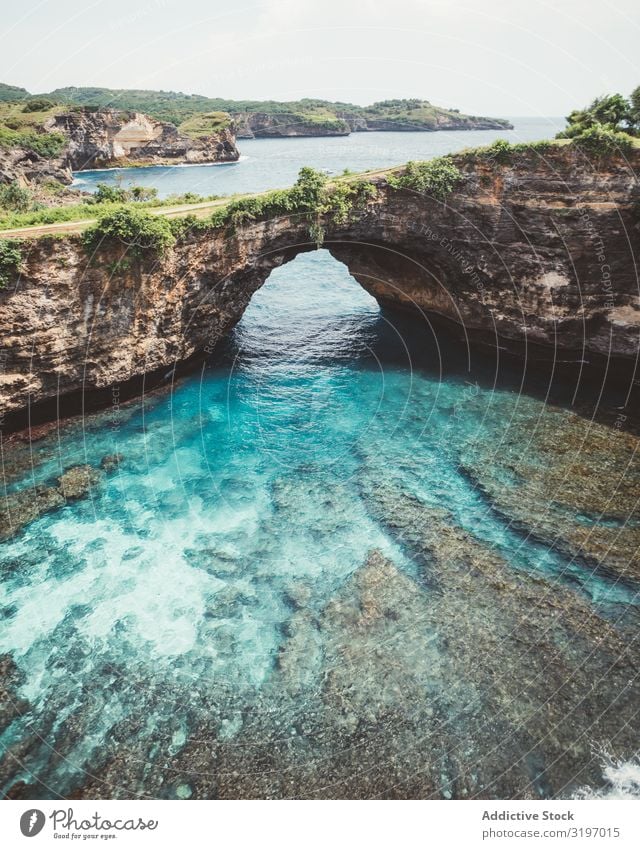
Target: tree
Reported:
[(612, 112), (634, 108)]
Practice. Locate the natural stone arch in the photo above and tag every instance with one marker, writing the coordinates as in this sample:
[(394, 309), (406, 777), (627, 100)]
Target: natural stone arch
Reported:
[(507, 257)]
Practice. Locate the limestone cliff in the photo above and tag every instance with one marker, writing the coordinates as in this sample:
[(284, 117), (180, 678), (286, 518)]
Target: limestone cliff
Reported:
[(108, 137), (439, 120), (250, 125), (26, 167), (286, 124), (535, 257)]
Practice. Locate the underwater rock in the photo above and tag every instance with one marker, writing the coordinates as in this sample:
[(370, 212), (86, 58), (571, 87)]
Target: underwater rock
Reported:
[(299, 658), (298, 595), (377, 650), (10, 705), (110, 462), (570, 482), (520, 655), (20, 508), (77, 482)]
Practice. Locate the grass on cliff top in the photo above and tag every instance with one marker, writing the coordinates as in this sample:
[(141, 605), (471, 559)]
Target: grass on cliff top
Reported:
[(28, 114), (22, 125), (88, 210), (204, 124), (417, 113), (597, 143), (177, 107)]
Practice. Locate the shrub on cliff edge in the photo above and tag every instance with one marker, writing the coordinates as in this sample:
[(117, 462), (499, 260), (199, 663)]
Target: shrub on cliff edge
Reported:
[(139, 231), (10, 261), (312, 196), (602, 140), (15, 198), (437, 177)]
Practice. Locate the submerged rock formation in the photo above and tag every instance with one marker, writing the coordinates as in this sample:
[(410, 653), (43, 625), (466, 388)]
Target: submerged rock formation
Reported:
[(26, 505), (534, 257), (389, 690), (110, 137)]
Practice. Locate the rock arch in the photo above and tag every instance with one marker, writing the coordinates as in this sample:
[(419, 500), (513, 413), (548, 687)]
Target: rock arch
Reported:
[(536, 258)]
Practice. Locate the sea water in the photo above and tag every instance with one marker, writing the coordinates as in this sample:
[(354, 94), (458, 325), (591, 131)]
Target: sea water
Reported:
[(274, 163)]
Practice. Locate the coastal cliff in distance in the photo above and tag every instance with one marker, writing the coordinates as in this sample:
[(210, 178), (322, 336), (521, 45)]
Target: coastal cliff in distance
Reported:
[(43, 142), (276, 119), (264, 125), (109, 137), (422, 117)]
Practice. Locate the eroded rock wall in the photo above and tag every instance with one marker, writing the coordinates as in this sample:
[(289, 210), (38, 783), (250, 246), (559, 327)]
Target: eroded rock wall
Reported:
[(110, 137)]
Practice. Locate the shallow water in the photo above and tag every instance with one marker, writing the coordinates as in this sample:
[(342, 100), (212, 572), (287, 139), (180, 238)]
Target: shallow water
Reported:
[(274, 163), (204, 624)]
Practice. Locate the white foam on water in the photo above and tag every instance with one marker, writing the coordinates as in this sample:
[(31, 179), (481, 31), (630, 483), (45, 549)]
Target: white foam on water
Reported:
[(622, 781)]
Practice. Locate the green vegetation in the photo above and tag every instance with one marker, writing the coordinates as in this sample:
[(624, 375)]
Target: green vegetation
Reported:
[(204, 124), (502, 152), (312, 196), (180, 109), (607, 125), (318, 199), (139, 232), (15, 197), (38, 214), (117, 194), (10, 261), (44, 144), (601, 139), (18, 208), (38, 104), (28, 115), (119, 216), (22, 125), (436, 178), (416, 114), (12, 92)]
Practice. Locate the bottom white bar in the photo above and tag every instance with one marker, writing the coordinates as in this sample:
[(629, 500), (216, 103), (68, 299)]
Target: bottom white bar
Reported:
[(292, 825)]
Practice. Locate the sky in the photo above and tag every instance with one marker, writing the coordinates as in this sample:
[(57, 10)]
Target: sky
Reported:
[(488, 57)]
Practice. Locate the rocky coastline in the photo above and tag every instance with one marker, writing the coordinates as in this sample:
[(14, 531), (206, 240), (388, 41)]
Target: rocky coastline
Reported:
[(250, 125), (109, 138)]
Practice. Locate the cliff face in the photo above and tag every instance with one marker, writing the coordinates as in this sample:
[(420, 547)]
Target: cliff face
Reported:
[(284, 124), (439, 121), (535, 257), (250, 125), (27, 167), (109, 137)]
